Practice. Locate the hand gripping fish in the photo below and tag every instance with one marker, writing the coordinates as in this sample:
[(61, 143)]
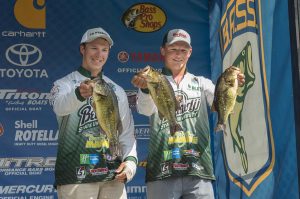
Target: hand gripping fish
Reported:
[(106, 107), (163, 96), (225, 96)]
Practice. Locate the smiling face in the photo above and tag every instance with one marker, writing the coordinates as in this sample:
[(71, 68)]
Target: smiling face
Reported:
[(94, 55), (176, 56)]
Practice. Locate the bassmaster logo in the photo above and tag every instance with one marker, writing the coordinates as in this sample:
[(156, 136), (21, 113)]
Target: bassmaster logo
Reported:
[(144, 17), (239, 16), (31, 13)]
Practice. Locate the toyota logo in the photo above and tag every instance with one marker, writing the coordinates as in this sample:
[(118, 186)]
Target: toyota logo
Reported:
[(23, 54)]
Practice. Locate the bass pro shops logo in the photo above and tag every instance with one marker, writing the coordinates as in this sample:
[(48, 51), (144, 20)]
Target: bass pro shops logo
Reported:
[(31, 13), (23, 54), (144, 17)]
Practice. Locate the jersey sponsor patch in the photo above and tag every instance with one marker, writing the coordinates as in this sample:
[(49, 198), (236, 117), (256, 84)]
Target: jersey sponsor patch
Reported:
[(80, 173), (89, 159)]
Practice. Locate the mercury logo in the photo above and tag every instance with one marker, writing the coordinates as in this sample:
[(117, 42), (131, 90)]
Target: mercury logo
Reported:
[(31, 13), (23, 54)]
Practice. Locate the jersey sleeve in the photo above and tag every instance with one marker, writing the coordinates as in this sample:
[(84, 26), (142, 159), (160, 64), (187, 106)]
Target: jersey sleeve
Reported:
[(209, 89), (127, 139), (145, 104), (63, 98)]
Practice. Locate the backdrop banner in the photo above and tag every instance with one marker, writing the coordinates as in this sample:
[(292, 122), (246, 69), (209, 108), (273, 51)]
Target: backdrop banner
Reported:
[(39, 43), (257, 159)]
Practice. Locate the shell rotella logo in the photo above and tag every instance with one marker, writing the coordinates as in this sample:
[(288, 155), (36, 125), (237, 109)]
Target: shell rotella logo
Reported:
[(31, 13), (23, 54), (144, 17)]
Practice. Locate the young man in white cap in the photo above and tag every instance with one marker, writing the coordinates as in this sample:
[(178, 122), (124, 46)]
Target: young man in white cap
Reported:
[(84, 165), (179, 166)]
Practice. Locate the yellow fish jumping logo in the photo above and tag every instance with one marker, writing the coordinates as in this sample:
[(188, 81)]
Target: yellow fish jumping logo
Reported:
[(31, 13)]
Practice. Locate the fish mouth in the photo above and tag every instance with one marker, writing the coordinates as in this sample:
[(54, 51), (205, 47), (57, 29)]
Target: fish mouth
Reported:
[(146, 70), (235, 68)]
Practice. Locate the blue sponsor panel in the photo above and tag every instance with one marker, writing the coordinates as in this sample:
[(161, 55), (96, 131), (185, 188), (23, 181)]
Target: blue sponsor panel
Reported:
[(249, 163)]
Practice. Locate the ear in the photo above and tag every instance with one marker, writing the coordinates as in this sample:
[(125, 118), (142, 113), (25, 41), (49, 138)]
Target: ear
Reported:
[(190, 52), (81, 49), (162, 51)]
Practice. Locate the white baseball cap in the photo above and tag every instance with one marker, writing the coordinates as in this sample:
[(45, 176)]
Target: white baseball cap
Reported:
[(175, 35), (95, 33)]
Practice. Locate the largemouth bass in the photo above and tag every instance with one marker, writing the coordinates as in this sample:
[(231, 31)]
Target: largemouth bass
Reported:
[(225, 96), (163, 96), (106, 107)]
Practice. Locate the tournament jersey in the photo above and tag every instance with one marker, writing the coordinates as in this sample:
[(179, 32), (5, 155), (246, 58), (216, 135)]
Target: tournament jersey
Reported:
[(187, 152), (83, 149)]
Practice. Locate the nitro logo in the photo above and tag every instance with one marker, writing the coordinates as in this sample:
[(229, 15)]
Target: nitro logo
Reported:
[(31, 14), (87, 117), (144, 17), (23, 54), (189, 107), (17, 162)]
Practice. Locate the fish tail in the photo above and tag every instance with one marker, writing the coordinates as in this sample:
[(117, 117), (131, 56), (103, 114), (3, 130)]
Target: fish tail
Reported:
[(114, 149)]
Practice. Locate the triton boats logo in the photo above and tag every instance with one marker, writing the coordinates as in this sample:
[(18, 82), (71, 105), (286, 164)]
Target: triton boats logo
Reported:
[(23, 54)]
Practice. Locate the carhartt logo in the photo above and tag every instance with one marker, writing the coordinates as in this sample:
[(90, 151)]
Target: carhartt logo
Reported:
[(31, 13)]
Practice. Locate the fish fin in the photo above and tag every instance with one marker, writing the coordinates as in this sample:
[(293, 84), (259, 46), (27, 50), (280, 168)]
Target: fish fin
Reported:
[(120, 127), (94, 106), (213, 107), (178, 99), (221, 127), (175, 128), (161, 116)]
